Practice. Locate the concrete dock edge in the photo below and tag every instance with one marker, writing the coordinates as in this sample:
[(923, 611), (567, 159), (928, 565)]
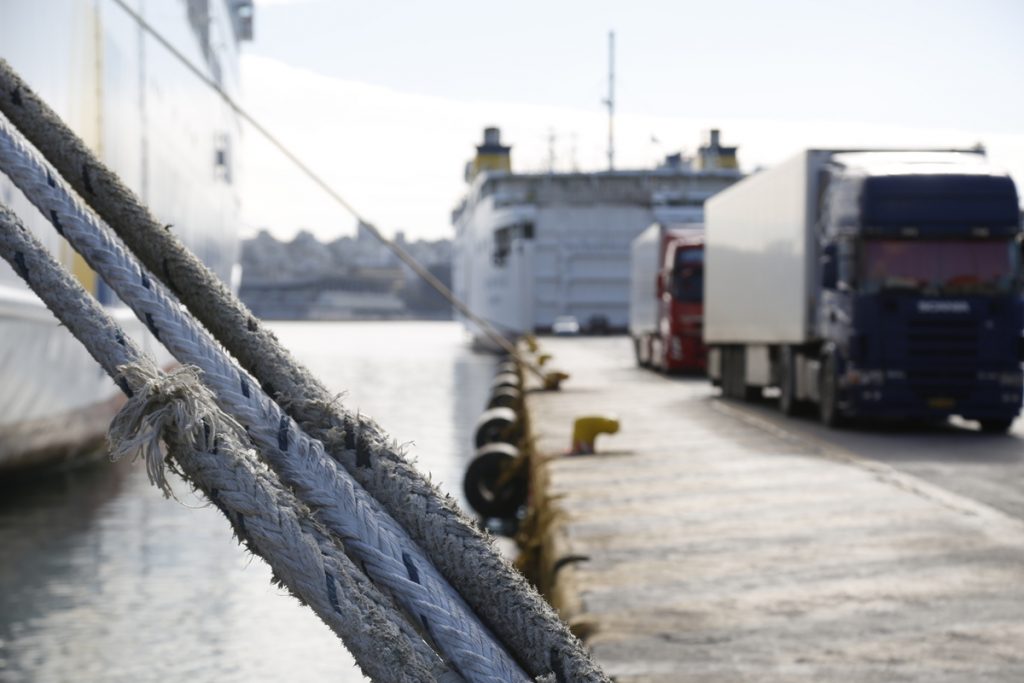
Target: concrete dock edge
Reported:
[(701, 543)]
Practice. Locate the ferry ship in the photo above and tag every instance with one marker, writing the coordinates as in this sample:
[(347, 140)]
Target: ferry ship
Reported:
[(171, 138), (531, 249)]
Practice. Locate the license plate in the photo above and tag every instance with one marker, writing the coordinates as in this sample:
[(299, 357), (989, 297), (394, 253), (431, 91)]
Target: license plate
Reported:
[(941, 403)]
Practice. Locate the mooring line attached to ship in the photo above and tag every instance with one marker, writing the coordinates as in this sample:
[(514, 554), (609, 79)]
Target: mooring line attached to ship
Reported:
[(485, 326), (214, 454), (512, 608), (387, 553)]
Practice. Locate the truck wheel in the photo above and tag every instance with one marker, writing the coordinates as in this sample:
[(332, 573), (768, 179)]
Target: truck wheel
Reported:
[(996, 426), (787, 382), (828, 408), (734, 377), (728, 373), (657, 354), (638, 351)]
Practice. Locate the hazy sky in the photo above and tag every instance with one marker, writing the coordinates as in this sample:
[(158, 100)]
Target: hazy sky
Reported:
[(387, 99)]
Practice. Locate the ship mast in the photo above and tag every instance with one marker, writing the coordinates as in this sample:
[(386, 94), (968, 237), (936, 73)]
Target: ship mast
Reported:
[(610, 102)]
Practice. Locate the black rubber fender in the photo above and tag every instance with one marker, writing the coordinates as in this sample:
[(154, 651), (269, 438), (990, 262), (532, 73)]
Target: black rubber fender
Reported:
[(509, 367), (492, 485), (505, 397), (497, 425), (506, 379)]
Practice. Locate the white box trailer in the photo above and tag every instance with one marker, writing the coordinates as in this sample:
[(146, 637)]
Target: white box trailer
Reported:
[(761, 256), (644, 264)]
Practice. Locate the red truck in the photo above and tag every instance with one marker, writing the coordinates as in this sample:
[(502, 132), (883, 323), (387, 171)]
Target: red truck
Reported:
[(666, 308)]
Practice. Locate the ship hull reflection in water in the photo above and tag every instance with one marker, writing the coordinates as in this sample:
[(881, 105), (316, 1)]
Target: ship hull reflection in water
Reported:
[(102, 579)]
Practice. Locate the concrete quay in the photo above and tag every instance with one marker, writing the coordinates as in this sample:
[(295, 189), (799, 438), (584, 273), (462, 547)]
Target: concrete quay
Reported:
[(702, 543)]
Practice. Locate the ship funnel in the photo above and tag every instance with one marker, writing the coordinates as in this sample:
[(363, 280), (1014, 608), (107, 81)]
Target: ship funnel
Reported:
[(713, 156), (490, 156)]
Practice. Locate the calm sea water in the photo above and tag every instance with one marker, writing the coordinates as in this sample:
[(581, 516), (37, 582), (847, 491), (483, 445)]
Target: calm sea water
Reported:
[(102, 579)]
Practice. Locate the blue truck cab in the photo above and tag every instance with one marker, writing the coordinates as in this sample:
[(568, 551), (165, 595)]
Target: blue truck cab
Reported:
[(919, 313)]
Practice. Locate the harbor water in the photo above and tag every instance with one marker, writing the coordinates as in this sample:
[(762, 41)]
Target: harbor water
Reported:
[(103, 579)]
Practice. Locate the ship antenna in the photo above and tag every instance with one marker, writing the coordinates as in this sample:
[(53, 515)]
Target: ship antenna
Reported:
[(551, 150), (610, 102)]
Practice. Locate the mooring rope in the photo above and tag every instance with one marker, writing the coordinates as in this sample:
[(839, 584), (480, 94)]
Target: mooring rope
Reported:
[(208, 447), (498, 593), (388, 555)]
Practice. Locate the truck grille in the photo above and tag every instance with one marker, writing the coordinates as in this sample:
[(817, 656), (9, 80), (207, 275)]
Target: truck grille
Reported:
[(942, 356), (944, 340)]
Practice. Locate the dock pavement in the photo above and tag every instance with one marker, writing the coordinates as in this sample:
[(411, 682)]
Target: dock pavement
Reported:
[(702, 543)]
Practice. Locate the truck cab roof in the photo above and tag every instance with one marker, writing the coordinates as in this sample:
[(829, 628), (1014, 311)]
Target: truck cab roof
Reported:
[(887, 163), (684, 233)]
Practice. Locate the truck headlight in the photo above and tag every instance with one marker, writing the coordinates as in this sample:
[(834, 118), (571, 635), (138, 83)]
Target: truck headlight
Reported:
[(865, 378), (1010, 379)]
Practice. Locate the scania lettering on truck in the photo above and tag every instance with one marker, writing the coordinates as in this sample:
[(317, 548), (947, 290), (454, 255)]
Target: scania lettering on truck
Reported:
[(876, 284), (666, 297)]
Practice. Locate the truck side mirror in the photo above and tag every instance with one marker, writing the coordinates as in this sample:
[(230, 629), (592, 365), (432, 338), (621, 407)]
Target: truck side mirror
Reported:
[(1020, 265), (659, 284), (829, 267)]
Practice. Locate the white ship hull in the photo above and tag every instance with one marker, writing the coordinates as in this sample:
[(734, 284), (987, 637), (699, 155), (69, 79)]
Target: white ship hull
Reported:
[(531, 248), (168, 136)]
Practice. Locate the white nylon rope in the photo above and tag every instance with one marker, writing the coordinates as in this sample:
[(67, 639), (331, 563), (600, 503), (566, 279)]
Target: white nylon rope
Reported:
[(381, 544), (208, 447)]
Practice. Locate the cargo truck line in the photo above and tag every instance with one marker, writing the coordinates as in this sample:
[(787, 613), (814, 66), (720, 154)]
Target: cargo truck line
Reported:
[(878, 284)]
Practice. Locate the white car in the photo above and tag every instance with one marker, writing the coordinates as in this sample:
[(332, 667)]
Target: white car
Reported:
[(565, 325)]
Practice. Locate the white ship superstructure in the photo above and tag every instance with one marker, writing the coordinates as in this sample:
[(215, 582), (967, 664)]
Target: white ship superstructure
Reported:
[(532, 247), (171, 139)]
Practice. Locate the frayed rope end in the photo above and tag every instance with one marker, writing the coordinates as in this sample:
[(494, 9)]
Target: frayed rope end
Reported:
[(175, 407)]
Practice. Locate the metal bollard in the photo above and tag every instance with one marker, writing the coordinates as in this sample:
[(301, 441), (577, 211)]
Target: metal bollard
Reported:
[(585, 430)]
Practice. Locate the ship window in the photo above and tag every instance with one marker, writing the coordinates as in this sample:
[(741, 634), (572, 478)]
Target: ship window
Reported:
[(503, 240), (241, 19), (222, 157), (199, 18)]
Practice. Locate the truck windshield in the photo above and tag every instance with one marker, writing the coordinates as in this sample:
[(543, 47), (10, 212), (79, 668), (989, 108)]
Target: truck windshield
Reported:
[(688, 275), (947, 266)]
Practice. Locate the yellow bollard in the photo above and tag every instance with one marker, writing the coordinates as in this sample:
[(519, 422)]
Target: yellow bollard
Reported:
[(585, 430), (553, 380)]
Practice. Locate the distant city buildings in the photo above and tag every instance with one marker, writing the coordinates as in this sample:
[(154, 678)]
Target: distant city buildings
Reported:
[(348, 278)]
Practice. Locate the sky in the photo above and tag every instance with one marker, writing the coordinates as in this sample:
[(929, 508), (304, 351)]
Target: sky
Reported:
[(386, 100)]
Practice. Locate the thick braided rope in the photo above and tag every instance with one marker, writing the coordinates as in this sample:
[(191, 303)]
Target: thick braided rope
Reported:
[(272, 522), (388, 555), (265, 516), (498, 593)]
